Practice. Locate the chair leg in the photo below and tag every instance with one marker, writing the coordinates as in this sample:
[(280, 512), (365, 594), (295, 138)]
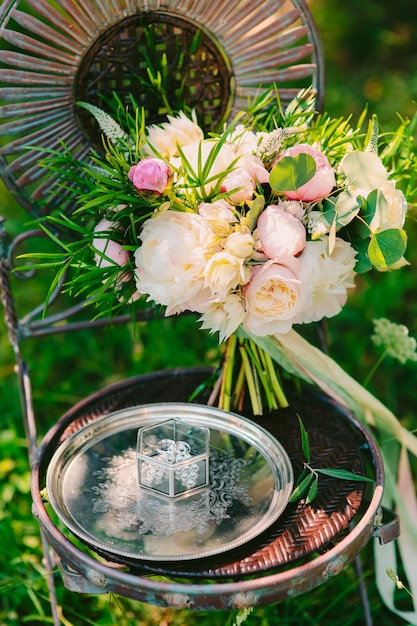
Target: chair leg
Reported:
[(49, 566), (363, 592)]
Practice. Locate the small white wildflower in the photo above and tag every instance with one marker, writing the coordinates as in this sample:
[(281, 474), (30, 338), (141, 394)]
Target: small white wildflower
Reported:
[(395, 340), (316, 228)]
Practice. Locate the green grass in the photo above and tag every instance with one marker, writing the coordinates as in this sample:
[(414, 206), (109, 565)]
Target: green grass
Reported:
[(370, 58)]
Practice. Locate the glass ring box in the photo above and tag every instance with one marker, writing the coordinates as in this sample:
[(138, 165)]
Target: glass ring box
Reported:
[(173, 457)]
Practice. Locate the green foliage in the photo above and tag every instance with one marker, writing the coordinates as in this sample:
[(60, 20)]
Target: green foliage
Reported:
[(307, 483), (387, 247), (291, 173)]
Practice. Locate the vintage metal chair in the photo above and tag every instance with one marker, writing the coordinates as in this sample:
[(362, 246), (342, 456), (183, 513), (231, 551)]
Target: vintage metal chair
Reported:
[(218, 54)]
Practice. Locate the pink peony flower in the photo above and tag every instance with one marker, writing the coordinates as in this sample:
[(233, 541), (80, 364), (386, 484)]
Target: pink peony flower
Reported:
[(109, 252), (244, 178), (280, 234), (254, 166), (242, 182), (323, 180), (150, 175)]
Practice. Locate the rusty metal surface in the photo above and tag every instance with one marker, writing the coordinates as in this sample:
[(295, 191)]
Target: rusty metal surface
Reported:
[(51, 54), (388, 528), (272, 583)]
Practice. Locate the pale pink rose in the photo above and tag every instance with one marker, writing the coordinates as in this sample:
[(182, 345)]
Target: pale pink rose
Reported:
[(241, 185), (323, 181), (170, 262), (327, 278), (293, 207), (150, 175), (279, 233), (274, 298), (109, 252), (249, 172)]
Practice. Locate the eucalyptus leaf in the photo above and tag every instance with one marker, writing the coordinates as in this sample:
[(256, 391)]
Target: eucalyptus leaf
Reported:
[(387, 247), (364, 170), (343, 208), (256, 209), (291, 173), (363, 264)]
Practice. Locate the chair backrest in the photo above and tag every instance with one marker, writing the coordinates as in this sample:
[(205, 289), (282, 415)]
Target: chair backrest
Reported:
[(212, 56)]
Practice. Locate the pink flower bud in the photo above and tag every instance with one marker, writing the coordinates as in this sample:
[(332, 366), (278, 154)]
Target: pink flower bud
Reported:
[(323, 180), (150, 175), (280, 234), (109, 252), (242, 182)]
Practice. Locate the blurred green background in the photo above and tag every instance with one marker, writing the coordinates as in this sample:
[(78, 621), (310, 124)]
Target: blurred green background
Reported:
[(371, 57)]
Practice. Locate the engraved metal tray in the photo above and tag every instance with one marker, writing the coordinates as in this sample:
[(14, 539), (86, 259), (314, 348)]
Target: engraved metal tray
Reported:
[(93, 488)]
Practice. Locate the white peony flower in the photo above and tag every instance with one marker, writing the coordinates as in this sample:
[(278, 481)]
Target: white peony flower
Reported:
[(274, 298), (197, 154), (170, 261), (166, 137), (218, 210), (219, 215), (242, 141), (223, 316), (327, 278)]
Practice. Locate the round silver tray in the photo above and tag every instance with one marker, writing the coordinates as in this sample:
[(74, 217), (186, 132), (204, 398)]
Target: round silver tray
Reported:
[(93, 488)]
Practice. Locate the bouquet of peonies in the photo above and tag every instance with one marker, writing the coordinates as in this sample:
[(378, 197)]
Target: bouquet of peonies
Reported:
[(258, 228), (251, 229)]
